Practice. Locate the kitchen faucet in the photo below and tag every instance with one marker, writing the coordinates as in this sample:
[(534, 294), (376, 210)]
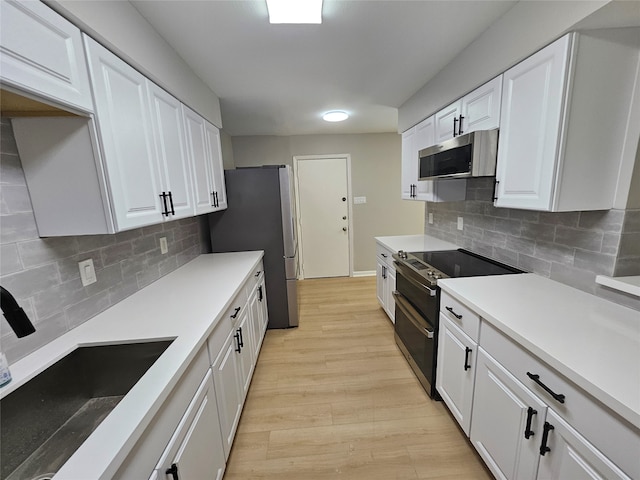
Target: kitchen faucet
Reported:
[(15, 315)]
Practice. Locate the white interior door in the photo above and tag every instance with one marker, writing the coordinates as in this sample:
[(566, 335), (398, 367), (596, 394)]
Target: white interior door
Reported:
[(323, 212)]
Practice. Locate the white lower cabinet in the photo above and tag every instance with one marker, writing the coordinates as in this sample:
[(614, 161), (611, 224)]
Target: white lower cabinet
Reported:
[(385, 280), (571, 456), (456, 371), (526, 420), (507, 423), (195, 449), (226, 378)]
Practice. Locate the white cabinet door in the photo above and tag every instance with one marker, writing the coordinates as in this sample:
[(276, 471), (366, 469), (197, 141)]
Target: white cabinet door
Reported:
[(246, 354), (447, 122), (215, 165), (481, 108), (226, 377), (456, 368), (171, 153), (199, 154), (125, 129), (381, 280), (195, 451), (505, 413), (255, 322), (531, 116), (571, 456), (264, 312), (390, 304), (42, 53), (409, 164)]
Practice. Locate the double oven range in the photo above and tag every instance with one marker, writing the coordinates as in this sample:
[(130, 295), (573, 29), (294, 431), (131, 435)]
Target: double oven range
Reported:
[(417, 299)]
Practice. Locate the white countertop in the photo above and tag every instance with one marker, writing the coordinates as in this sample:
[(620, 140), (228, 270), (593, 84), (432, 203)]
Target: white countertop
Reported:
[(415, 243), (593, 342), (186, 305), (630, 285)]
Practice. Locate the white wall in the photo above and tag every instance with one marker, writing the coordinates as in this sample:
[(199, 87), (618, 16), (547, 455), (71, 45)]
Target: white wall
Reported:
[(119, 27), (526, 28)]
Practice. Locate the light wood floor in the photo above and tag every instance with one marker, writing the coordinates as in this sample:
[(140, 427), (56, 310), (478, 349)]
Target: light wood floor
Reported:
[(335, 399)]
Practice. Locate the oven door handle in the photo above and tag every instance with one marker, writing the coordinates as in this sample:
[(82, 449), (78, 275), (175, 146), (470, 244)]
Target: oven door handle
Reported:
[(409, 276), (412, 314)]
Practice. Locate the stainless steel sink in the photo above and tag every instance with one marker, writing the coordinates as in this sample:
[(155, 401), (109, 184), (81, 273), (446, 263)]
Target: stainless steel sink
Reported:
[(44, 421)]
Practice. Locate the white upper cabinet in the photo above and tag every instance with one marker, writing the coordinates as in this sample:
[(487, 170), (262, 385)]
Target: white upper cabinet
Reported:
[(212, 134), (126, 131), (171, 153), (564, 119), (41, 53), (478, 110), (481, 108)]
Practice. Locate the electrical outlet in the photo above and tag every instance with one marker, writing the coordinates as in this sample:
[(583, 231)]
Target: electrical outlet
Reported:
[(431, 218), (163, 245), (460, 223), (87, 272)]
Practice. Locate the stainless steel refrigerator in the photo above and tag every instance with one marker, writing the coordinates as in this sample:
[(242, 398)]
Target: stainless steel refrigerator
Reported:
[(261, 216)]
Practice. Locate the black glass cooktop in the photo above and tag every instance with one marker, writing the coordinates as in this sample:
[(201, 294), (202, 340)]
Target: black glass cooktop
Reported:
[(462, 263)]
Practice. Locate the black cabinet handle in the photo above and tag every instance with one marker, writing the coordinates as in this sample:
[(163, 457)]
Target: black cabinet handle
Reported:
[(460, 125), (235, 313), (556, 396), (545, 436), (528, 433), (217, 199), (384, 272), (213, 199), (455, 121), (495, 189), (173, 212), (173, 471), (454, 313), (241, 343), (258, 273), (238, 346), (260, 293), (467, 351), (384, 255), (163, 196)]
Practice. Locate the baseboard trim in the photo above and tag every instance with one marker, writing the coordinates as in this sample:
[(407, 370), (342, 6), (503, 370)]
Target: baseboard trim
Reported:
[(365, 273)]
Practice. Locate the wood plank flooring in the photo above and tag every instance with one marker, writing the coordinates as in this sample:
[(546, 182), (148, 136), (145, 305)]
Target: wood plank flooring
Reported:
[(335, 399)]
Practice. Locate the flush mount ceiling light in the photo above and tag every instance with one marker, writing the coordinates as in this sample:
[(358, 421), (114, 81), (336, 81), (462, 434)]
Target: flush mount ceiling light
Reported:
[(335, 116), (295, 11)]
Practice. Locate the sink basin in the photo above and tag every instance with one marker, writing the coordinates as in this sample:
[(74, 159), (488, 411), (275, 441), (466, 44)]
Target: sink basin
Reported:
[(45, 420)]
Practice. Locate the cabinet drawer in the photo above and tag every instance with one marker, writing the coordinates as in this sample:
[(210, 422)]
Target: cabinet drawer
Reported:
[(467, 320), (384, 254), (616, 438), (254, 279)]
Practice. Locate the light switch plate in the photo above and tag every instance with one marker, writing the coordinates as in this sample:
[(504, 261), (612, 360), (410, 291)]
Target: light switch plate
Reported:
[(163, 245), (87, 272), (359, 200), (460, 223)]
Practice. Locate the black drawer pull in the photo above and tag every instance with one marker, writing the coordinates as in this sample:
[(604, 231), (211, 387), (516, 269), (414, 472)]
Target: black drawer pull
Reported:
[(241, 340), (545, 436), (173, 210), (260, 294), (528, 433), (556, 396), (238, 346), (235, 313), (258, 273), (467, 351), (454, 313)]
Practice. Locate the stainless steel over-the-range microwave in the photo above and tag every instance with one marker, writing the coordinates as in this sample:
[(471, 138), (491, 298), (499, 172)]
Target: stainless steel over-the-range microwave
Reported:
[(471, 155)]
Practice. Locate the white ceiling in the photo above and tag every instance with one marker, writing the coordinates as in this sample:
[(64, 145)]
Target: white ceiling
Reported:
[(367, 57)]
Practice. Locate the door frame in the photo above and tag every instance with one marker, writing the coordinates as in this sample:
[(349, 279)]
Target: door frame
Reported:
[(301, 158)]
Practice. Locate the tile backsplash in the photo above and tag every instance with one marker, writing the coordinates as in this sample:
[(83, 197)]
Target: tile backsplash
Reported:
[(570, 247), (43, 275)]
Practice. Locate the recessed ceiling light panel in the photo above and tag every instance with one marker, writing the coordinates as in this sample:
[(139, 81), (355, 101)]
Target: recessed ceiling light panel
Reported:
[(295, 11), (335, 116)]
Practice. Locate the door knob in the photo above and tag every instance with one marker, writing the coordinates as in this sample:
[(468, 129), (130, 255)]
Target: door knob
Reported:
[(344, 229), (344, 218), (344, 199)]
